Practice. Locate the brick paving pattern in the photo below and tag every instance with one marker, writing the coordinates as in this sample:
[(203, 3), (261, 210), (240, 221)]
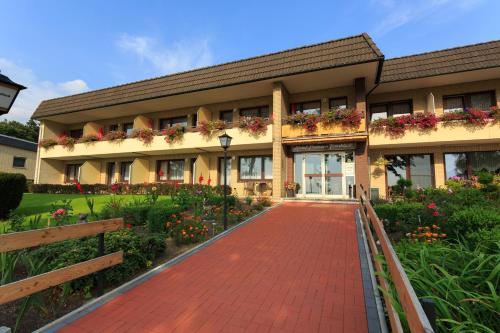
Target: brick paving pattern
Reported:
[(293, 269)]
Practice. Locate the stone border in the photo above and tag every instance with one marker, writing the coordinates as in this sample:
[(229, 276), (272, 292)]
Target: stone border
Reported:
[(374, 309), (100, 301)]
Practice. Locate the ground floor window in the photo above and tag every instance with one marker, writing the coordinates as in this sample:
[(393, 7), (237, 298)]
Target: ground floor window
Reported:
[(125, 171), (19, 162), (171, 170), (417, 168), (256, 167), (221, 171), (72, 173), (467, 164)]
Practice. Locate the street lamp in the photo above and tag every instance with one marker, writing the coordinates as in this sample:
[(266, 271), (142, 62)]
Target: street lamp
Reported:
[(225, 142), (8, 93)]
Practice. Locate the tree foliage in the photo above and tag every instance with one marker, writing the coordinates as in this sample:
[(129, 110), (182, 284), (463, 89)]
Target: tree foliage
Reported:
[(28, 131)]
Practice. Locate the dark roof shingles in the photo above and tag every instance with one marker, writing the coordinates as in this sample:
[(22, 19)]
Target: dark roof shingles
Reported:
[(11, 141), (459, 59), (341, 52)]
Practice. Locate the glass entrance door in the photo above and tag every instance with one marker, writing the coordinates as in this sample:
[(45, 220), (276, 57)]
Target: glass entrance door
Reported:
[(324, 174)]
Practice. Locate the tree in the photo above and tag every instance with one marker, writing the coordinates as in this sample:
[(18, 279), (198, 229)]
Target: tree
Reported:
[(28, 131)]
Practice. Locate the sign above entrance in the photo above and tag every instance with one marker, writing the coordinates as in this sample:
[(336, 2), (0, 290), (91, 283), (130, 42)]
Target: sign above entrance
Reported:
[(325, 147)]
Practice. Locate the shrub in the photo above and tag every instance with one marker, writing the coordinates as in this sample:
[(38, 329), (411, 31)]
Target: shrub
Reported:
[(158, 215), (473, 223), (401, 216), (12, 187), (189, 232), (135, 214), (264, 201)]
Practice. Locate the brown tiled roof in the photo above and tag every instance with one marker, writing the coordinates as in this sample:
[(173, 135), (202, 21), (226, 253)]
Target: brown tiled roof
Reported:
[(336, 53), (454, 60)]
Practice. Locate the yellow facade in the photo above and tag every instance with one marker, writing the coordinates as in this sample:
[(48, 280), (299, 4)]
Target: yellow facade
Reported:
[(7, 155)]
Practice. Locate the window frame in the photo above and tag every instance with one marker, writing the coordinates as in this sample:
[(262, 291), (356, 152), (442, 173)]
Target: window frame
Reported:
[(338, 98), (293, 108), (466, 98), (468, 163), (122, 180), (259, 108), (66, 172), (222, 112), (408, 168), (169, 120), (389, 105), (262, 171), (19, 158), (168, 171)]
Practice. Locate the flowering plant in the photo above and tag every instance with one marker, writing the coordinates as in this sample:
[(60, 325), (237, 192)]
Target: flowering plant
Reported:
[(382, 161), (67, 142), (254, 125), (346, 117), (173, 134), (469, 116), (115, 135), (145, 135), (292, 186), (308, 121), (61, 212), (88, 201), (152, 195), (429, 234), (397, 126), (208, 128), (89, 138), (47, 143)]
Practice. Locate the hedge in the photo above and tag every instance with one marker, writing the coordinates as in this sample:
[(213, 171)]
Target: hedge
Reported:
[(12, 186), (120, 188)]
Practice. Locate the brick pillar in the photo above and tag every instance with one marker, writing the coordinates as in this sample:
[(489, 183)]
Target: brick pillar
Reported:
[(280, 107), (361, 153)]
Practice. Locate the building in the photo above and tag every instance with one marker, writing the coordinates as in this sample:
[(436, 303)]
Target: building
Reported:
[(261, 102), (17, 156)]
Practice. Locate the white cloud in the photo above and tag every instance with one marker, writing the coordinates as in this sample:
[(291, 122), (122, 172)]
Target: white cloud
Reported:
[(38, 90), (399, 13), (180, 56)]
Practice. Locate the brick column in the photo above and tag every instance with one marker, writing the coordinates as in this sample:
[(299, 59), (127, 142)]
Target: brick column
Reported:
[(280, 107), (361, 153)]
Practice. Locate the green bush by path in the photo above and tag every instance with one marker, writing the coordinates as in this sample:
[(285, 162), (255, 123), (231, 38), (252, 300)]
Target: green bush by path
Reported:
[(12, 186)]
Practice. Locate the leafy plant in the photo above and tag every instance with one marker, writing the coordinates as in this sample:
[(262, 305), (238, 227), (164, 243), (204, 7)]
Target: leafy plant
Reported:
[(145, 135), (173, 134), (12, 186), (115, 136), (253, 125), (47, 143), (90, 138)]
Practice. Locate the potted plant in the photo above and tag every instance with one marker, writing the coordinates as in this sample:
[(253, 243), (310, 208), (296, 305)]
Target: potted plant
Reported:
[(291, 188)]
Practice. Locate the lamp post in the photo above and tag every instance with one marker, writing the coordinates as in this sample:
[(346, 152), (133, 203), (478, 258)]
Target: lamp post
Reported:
[(8, 93), (225, 142)]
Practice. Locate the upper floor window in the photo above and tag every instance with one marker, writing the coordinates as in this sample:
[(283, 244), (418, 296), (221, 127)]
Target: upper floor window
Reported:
[(390, 109), (194, 120), (72, 172), (113, 127), (260, 111), (76, 133), (481, 101), (307, 107), (226, 116), (170, 122), (338, 103), (19, 162), (128, 128)]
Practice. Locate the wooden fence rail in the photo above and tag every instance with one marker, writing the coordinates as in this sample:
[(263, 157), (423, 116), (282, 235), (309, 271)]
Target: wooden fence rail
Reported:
[(415, 315), (26, 239)]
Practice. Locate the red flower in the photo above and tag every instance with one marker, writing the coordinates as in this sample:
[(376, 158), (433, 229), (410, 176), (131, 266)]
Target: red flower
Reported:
[(435, 213), (209, 181), (129, 226), (78, 186), (161, 173), (432, 205), (115, 187), (200, 179), (100, 133)]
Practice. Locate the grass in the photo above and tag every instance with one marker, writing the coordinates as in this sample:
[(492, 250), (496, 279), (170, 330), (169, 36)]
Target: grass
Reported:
[(40, 203)]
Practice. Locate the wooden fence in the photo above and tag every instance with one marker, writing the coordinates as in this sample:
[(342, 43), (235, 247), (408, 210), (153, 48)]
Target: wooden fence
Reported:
[(377, 238), (33, 238)]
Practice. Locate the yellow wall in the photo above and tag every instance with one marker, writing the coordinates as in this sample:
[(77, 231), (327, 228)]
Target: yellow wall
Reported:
[(7, 155)]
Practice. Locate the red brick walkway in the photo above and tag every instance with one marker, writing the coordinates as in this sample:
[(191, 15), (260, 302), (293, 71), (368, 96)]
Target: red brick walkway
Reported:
[(294, 269)]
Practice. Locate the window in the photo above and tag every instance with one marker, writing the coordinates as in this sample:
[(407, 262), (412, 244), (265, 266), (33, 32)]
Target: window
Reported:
[(466, 165), (170, 170), (194, 120), (391, 109), (256, 167), (110, 173), (72, 172), (261, 111), (417, 168), (480, 100), (19, 162), (170, 122), (306, 108), (221, 171), (125, 171), (338, 103), (76, 133), (113, 127), (128, 128), (226, 116)]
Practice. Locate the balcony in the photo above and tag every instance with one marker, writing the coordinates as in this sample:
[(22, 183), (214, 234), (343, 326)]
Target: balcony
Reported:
[(191, 142), (444, 133), (292, 132)]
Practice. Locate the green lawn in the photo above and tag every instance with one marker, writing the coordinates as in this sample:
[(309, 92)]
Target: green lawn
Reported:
[(41, 203)]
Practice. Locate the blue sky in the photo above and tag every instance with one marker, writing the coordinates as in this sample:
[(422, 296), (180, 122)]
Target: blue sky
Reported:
[(58, 48)]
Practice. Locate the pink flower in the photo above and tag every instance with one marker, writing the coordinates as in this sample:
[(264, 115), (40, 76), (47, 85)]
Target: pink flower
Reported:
[(435, 213), (432, 205)]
